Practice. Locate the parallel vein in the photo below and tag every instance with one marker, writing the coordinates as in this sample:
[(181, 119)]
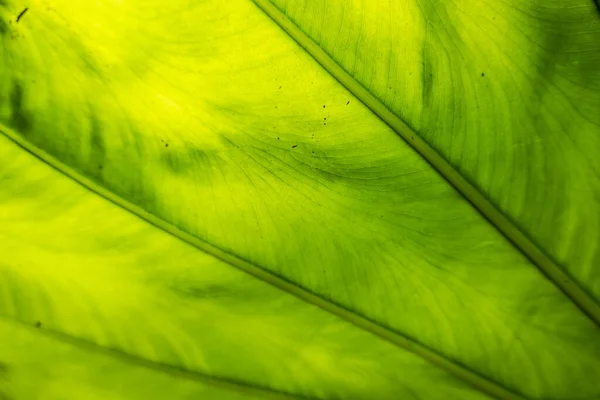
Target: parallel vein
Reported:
[(218, 382), (462, 372), (544, 262)]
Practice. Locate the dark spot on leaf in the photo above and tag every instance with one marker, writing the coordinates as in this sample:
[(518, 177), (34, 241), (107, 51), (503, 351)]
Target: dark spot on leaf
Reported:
[(278, 138), (20, 119), (427, 77), (279, 87), (38, 324), (22, 14), (294, 146), (348, 102), (323, 105), (203, 292), (324, 119), (97, 146), (166, 144), (185, 161), (324, 123), (4, 382), (482, 74)]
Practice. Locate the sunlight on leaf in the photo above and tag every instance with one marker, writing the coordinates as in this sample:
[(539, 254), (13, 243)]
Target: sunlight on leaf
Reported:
[(208, 197)]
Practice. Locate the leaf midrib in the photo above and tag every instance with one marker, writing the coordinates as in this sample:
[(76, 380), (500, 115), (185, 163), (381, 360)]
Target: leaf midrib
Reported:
[(460, 371), (481, 203), (178, 372), (486, 208)]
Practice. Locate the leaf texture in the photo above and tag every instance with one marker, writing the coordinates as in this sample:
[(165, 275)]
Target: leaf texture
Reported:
[(34, 366), (77, 264), (507, 92), (247, 153)]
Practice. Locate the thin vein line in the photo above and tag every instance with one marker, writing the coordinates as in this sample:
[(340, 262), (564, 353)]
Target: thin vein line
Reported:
[(177, 372), (545, 263), (508, 228), (462, 372)]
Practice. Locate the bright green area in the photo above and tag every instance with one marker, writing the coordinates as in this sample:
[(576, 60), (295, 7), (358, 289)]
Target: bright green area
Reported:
[(77, 264), (211, 118), (507, 92), (35, 366)]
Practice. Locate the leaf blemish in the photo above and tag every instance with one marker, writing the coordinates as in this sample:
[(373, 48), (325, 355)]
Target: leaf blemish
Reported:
[(21, 14), (38, 324), (294, 146), (348, 102), (21, 118), (482, 74)]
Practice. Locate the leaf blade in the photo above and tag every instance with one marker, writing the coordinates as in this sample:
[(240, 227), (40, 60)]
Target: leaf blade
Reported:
[(28, 373), (80, 267), (470, 41), (409, 257)]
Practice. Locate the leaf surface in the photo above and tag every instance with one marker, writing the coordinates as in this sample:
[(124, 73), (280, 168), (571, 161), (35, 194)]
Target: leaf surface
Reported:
[(507, 92), (77, 264), (210, 122), (34, 366)]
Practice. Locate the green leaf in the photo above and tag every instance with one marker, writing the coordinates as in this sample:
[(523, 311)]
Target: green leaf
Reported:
[(76, 264), (74, 371), (506, 98), (190, 193)]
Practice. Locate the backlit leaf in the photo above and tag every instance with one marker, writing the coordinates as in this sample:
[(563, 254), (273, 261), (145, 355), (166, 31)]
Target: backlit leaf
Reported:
[(228, 195)]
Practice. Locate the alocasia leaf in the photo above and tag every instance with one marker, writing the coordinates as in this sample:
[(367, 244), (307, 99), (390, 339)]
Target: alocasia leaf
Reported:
[(507, 92), (226, 195), (36, 366)]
